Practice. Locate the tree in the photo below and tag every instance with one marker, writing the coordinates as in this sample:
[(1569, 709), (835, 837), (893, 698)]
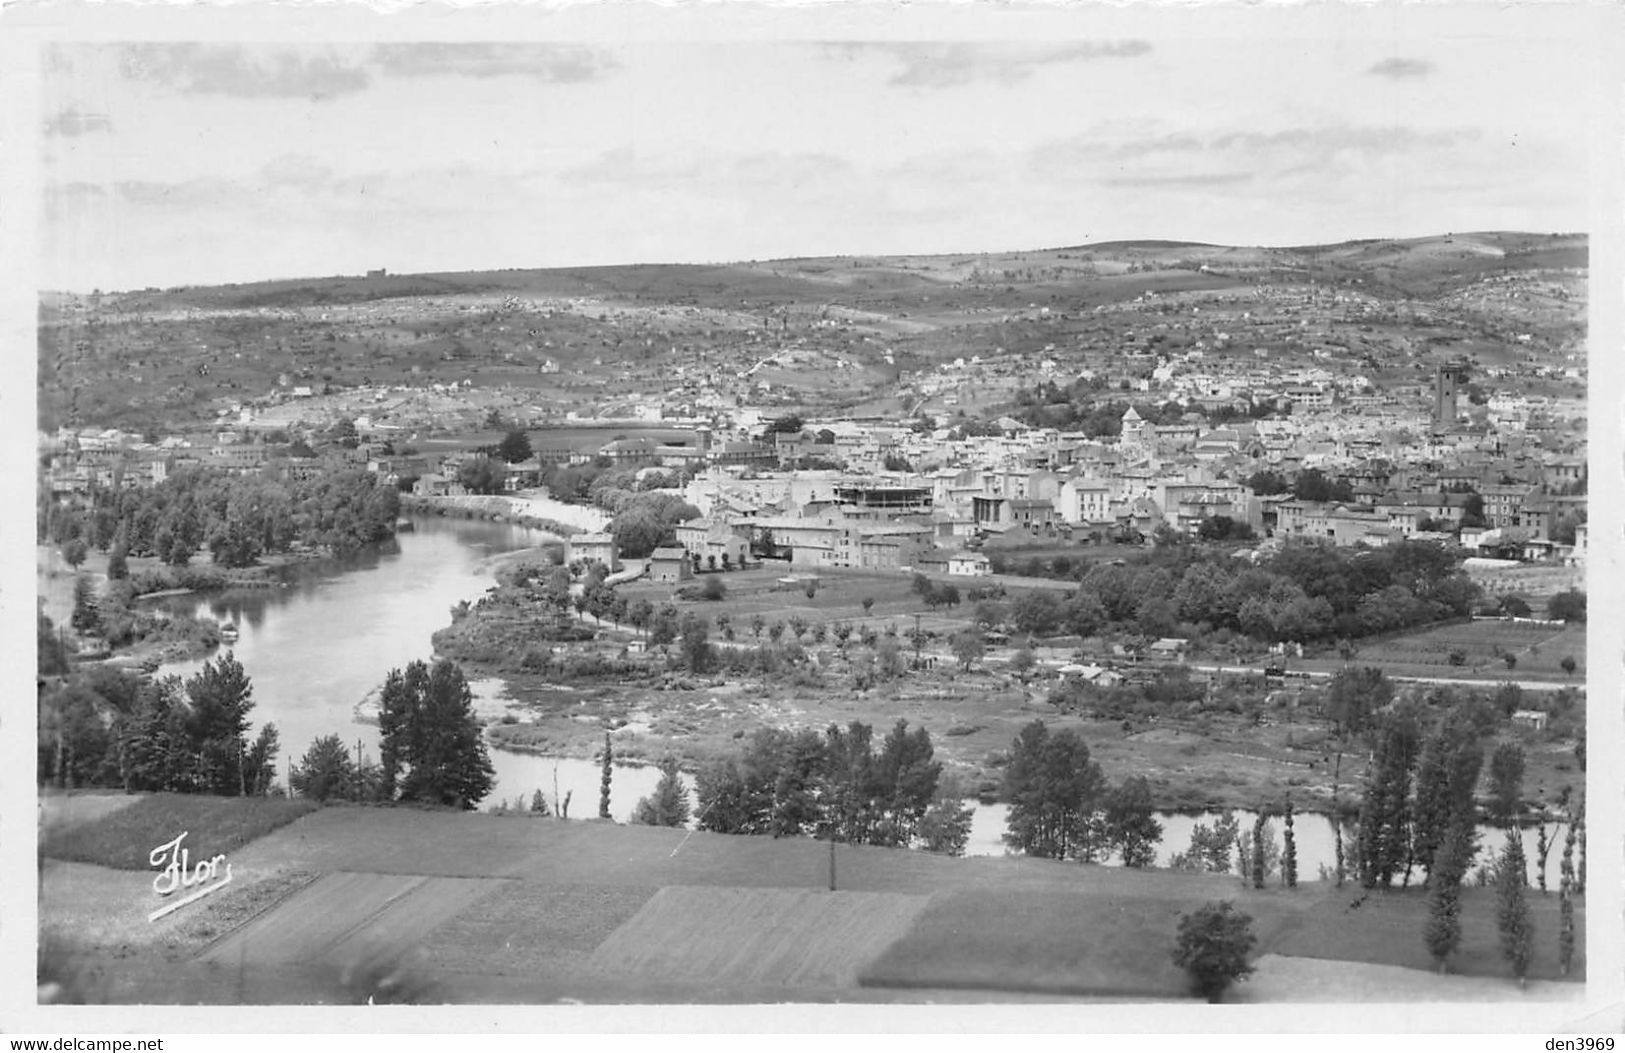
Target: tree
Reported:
[(669, 804), (1442, 932), (514, 447), (1131, 824), (52, 652), (1446, 775), (1543, 848), (1472, 510), (714, 589), (1567, 606), (889, 663), (696, 644), (1212, 947), (1038, 612), (1256, 857), (432, 747), (74, 552), (260, 767), (1565, 895), (1289, 851), (969, 646), (482, 475), (1568, 664), (1265, 482), (1384, 838), (640, 612), (220, 698), (1053, 789), (325, 772), (1506, 782), (1514, 606), (1355, 694), (118, 566), (86, 617), (1512, 916), (868, 605), (945, 826), (1210, 848), (607, 775)]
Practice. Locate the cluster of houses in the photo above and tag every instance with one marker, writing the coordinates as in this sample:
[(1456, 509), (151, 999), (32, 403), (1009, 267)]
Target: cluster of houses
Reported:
[(887, 497)]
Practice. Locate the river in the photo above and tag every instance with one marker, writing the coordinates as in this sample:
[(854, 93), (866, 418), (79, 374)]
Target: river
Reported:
[(316, 647)]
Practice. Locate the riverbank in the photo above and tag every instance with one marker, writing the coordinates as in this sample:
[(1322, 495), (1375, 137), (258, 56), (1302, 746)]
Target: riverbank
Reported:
[(532, 509), (972, 718), (1196, 758)]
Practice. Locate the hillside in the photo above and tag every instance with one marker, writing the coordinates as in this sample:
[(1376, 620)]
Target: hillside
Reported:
[(819, 335), (480, 908)]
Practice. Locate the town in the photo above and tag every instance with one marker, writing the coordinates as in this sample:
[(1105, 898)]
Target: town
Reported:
[(1248, 520)]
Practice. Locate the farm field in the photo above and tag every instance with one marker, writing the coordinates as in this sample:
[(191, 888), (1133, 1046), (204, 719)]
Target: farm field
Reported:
[(767, 591), (734, 936), (601, 912), (1537, 651)]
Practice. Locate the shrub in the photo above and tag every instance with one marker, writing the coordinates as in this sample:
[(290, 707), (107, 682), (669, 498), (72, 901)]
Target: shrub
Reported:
[(1212, 946)]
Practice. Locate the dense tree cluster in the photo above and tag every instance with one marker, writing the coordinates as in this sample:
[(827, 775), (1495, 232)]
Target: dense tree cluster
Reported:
[(1303, 593), (327, 771), (1083, 406), (1062, 807), (238, 518), (646, 521), (599, 482), (103, 727), (835, 785), (431, 746), (1418, 807), (483, 474)]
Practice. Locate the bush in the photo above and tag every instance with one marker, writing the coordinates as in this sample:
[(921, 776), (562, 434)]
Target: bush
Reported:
[(1212, 946), (1568, 606)]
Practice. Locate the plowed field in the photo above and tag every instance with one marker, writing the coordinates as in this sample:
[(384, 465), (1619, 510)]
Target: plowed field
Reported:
[(339, 916), (756, 936)]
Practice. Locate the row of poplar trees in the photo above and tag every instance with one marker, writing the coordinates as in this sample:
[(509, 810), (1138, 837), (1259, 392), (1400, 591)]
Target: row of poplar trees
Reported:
[(1419, 812)]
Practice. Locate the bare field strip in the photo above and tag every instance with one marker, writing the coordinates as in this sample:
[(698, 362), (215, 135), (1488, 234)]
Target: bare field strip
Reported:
[(1279, 978), (539, 933), (340, 913), (728, 936)]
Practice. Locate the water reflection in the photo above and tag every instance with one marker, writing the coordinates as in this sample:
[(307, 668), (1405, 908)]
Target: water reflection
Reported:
[(314, 648)]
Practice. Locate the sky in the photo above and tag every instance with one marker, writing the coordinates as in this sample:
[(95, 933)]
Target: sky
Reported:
[(227, 160)]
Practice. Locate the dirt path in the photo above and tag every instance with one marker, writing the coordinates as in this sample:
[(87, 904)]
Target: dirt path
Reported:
[(1279, 978)]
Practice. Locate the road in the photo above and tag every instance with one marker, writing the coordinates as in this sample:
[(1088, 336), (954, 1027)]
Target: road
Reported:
[(1531, 685)]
